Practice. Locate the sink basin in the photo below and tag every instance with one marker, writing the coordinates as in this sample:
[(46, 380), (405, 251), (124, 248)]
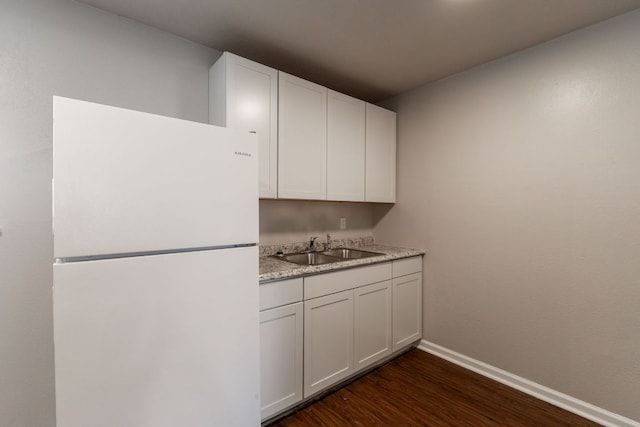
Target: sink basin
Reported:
[(326, 257), (345, 254), (312, 258)]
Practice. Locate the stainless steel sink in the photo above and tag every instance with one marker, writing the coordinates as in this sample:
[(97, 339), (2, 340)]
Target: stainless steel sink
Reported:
[(326, 257), (346, 253), (312, 258)]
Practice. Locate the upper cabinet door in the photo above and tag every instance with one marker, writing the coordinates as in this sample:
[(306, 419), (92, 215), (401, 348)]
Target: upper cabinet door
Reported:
[(345, 148), (380, 167), (244, 95), (302, 149)]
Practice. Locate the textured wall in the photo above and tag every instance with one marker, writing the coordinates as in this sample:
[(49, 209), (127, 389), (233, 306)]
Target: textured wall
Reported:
[(64, 48), (285, 221), (521, 179)]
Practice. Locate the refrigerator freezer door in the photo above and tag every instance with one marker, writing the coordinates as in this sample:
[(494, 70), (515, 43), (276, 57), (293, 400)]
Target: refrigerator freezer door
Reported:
[(126, 181), (163, 340)]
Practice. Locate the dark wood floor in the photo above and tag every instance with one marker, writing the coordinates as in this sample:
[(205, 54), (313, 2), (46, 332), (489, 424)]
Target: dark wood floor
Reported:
[(419, 389)]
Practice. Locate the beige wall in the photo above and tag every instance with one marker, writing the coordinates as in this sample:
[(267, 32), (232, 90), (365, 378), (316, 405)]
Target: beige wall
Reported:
[(521, 179), (64, 48), (287, 221)]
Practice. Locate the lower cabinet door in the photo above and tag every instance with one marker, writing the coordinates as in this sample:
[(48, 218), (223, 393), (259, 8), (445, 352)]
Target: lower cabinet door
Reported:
[(280, 358), (372, 323), (407, 310), (328, 343)]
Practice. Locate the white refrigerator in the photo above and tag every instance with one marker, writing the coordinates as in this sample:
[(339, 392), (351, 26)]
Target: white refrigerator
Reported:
[(155, 289)]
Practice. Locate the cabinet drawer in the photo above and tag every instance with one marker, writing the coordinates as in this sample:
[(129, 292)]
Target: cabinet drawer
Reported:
[(329, 283), (279, 293), (402, 267)]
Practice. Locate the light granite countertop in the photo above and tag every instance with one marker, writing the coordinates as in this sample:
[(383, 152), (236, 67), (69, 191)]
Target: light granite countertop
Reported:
[(276, 269)]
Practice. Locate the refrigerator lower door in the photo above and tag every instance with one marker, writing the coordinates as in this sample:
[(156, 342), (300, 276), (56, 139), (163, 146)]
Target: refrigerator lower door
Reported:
[(162, 340)]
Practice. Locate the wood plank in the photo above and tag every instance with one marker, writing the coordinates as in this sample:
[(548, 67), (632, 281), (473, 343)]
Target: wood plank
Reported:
[(419, 389)]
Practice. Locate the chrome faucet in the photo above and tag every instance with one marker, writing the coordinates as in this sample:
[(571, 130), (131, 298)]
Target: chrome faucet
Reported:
[(312, 241)]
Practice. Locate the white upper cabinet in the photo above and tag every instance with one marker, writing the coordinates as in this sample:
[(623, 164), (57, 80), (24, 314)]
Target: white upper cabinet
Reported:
[(244, 95), (380, 166), (345, 148), (314, 143), (302, 150)]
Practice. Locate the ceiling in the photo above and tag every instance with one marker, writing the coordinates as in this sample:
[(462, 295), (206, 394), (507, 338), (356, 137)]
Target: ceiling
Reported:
[(371, 49)]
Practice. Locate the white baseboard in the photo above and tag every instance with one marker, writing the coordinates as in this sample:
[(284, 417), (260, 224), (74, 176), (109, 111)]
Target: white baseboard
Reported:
[(571, 404)]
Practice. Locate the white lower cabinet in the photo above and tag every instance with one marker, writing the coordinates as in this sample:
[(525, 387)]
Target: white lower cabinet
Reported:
[(281, 344), (345, 321), (372, 323), (341, 313), (328, 341), (407, 301)]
